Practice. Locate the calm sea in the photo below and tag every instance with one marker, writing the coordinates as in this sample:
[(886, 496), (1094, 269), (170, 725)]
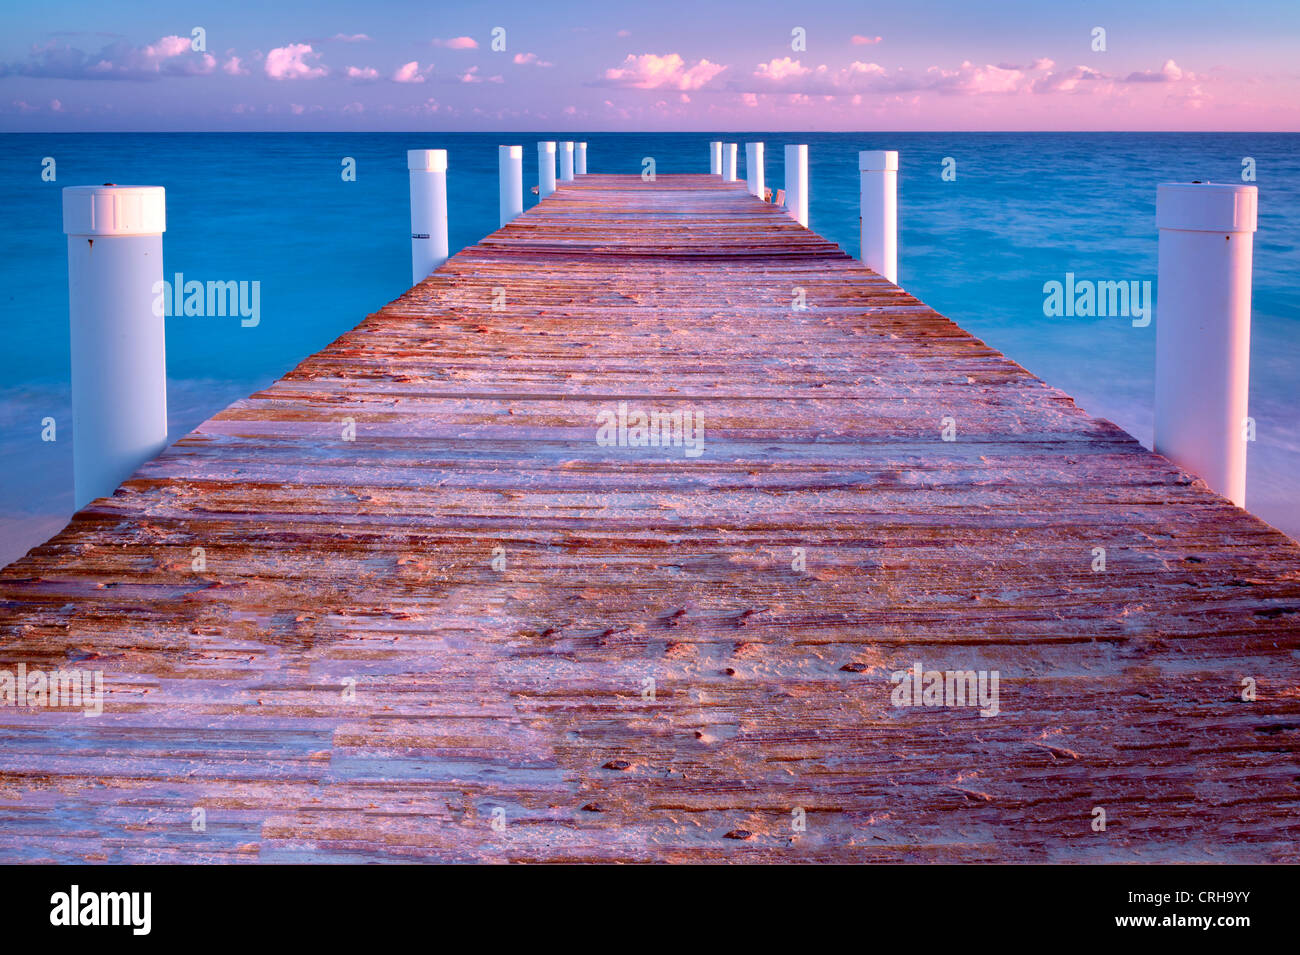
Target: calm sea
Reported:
[(1024, 209)]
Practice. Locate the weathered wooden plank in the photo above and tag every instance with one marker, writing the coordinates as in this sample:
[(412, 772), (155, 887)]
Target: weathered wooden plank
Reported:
[(523, 689)]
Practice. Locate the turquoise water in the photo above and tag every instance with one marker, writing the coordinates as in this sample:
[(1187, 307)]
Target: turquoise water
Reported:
[(1024, 209)]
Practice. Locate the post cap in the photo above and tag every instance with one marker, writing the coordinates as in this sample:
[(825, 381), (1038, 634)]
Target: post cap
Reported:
[(878, 160), (546, 147), (514, 152), (426, 160), (582, 145), (1206, 207), (114, 210), (566, 147)]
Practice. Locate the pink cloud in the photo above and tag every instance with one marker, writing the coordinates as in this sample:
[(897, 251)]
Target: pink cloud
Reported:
[(168, 56), (859, 40), (969, 78), (530, 59), (649, 71), (362, 74), (411, 72), (457, 43), (234, 67), (290, 63), (1169, 73), (778, 70), (1068, 81)]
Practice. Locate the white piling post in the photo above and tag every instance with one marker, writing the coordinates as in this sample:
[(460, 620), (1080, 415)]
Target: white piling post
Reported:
[(1203, 330), (878, 226), (715, 158), (580, 159), (545, 169), (429, 249), (566, 162), (510, 162), (729, 162), (754, 168), (116, 306), (796, 183)]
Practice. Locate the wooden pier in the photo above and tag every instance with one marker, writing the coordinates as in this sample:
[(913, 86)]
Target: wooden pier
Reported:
[(472, 632)]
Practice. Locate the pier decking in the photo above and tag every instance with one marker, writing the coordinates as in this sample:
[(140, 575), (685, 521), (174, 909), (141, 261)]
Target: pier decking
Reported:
[(355, 677)]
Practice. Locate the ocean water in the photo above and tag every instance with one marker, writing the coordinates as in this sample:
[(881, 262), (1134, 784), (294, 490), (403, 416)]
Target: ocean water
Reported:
[(1024, 209)]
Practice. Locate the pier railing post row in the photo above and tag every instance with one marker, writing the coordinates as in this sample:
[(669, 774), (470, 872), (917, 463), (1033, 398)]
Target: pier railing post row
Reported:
[(1203, 330), (580, 159), (796, 183), (729, 162), (545, 169), (715, 158), (878, 226), (754, 168), (429, 248), (566, 162), (510, 160), (118, 338)]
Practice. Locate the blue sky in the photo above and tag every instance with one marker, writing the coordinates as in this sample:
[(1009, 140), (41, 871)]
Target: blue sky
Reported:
[(664, 65)]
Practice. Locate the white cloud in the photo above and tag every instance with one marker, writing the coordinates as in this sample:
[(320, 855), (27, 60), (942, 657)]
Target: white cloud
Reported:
[(1171, 72), (778, 70), (411, 72), (650, 71), (290, 63)]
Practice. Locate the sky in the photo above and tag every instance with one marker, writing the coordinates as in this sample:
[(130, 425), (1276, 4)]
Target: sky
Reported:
[(720, 65)]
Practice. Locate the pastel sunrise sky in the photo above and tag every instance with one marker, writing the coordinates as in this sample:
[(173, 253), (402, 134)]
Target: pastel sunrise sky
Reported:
[(652, 65)]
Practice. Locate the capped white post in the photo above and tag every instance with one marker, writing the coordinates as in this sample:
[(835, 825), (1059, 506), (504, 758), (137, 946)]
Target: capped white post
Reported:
[(754, 168), (115, 307), (580, 159), (429, 249), (1203, 330), (566, 162), (715, 158), (545, 169), (878, 227), (510, 160), (729, 162), (796, 183)]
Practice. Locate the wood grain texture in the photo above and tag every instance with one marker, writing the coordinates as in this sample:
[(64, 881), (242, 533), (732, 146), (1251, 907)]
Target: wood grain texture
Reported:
[(476, 689)]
